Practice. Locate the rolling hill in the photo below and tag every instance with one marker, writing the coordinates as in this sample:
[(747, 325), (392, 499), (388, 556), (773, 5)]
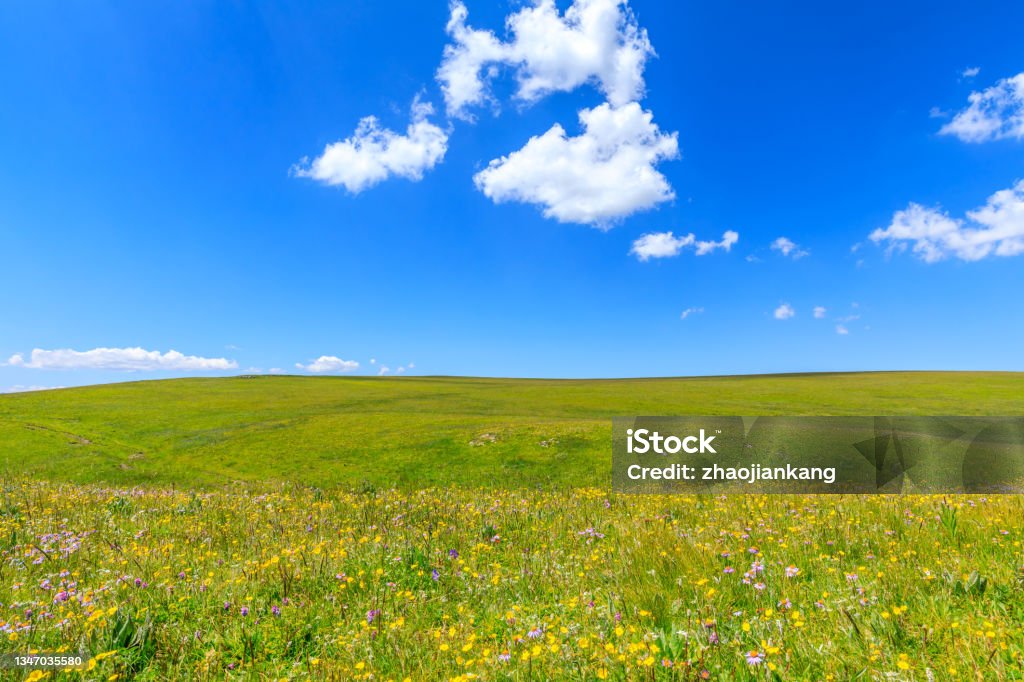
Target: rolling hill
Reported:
[(419, 431)]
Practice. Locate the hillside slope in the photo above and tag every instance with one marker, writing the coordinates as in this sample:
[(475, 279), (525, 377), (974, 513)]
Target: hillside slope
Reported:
[(416, 431)]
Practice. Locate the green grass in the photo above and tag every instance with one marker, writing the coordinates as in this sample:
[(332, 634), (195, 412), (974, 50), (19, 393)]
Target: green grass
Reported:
[(418, 431), (315, 568)]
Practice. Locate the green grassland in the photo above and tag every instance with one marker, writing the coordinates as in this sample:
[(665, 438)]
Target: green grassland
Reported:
[(420, 431), (295, 528)]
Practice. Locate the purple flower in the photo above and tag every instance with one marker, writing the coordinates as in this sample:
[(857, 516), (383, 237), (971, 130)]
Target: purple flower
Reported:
[(138, 582), (755, 658), (535, 633), (371, 615), (244, 610), (434, 574), (276, 610), (453, 554), (728, 569), (227, 606), (504, 657)]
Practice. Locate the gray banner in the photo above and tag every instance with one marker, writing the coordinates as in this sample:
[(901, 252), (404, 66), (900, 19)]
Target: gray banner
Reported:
[(818, 454)]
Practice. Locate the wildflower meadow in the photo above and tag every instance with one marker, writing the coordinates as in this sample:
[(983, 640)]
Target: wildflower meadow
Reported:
[(290, 582)]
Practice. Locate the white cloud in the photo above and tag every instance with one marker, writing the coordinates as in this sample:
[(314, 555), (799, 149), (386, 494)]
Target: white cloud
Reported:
[(384, 369), (329, 363), (936, 112), (997, 228), (19, 388), (130, 359), (993, 114), (842, 330), (728, 239), (787, 247), (275, 370), (667, 245), (595, 41), (690, 311), (819, 312), (411, 365), (784, 312), (660, 245), (971, 71), (596, 178), (372, 154)]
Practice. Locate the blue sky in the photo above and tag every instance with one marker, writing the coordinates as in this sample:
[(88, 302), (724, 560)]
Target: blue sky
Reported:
[(167, 185)]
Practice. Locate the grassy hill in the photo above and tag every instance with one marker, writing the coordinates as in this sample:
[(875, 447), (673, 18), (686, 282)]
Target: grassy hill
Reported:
[(416, 431)]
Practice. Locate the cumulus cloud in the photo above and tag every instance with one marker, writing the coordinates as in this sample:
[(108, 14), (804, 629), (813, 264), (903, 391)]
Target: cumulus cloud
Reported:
[(992, 114), (372, 154), (660, 245), (329, 363), (787, 247), (667, 245), (784, 312), (595, 41), (971, 71), (595, 178), (819, 312), (997, 228), (128, 359), (690, 311), (842, 330)]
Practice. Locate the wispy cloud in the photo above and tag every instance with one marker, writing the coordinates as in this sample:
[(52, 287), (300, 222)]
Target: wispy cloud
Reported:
[(787, 247), (784, 312), (125, 359), (690, 311), (18, 388)]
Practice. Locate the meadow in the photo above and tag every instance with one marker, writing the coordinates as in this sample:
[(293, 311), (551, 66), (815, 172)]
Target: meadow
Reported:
[(421, 529), (415, 432)]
